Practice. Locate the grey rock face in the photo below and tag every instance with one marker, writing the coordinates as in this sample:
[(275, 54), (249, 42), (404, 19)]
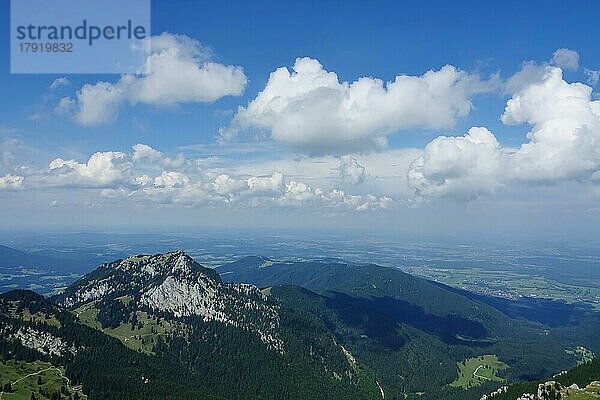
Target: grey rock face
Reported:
[(175, 283)]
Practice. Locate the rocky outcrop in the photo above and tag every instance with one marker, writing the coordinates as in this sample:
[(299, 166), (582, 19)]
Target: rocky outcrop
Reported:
[(174, 283), (495, 393), (43, 342)]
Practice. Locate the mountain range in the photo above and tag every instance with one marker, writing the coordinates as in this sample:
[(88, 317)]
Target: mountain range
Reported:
[(163, 326)]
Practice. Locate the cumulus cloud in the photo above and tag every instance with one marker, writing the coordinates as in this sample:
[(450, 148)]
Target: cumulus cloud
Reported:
[(565, 138), (255, 191), (226, 185), (463, 167), (563, 143), (177, 70), (266, 184), (593, 76), (118, 193), (351, 171), (65, 107), (59, 82), (300, 194), (101, 169), (171, 179), (141, 176), (144, 152), (11, 182), (532, 71), (566, 59), (310, 109), (253, 187), (143, 180), (95, 104)]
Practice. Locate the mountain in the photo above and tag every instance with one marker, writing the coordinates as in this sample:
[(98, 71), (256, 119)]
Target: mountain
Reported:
[(175, 285), (10, 258), (376, 282), (407, 324), (230, 338), (359, 280), (164, 327), (452, 316)]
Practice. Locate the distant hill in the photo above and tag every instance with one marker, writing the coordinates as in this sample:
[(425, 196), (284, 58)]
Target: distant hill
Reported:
[(10, 258), (411, 295), (420, 324)]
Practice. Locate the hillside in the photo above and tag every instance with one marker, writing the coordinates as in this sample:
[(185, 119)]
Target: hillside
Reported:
[(579, 383), (36, 333), (407, 324)]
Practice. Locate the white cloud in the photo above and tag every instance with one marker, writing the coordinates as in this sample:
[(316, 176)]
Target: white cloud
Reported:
[(11, 182), (266, 184), (140, 177), (65, 107), (103, 169), (145, 152), (366, 202), (530, 72), (563, 143), (177, 70), (385, 171), (60, 82), (351, 171), (143, 180), (593, 76), (189, 195), (309, 109), (171, 179), (566, 59), (254, 191), (96, 104), (226, 185), (462, 167), (300, 194), (258, 192)]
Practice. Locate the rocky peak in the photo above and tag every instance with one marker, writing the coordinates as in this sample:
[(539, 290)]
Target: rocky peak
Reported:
[(174, 283), (171, 263), (135, 275)]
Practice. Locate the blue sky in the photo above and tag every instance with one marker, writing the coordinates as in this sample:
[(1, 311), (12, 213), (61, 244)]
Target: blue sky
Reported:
[(487, 44)]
